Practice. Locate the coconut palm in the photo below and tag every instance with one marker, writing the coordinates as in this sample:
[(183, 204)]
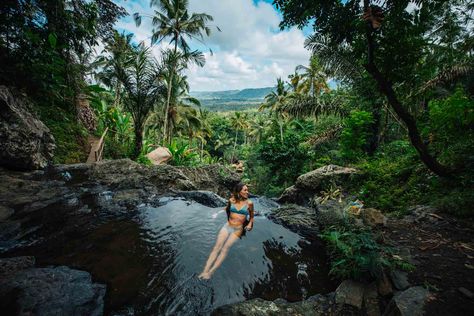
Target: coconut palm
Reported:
[(274, 101), (140, 78), (113, 57), (172, 20), (239, 122), (314, 78)]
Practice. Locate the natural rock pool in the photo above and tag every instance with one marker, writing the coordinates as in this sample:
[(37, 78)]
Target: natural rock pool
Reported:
[(150, 260)]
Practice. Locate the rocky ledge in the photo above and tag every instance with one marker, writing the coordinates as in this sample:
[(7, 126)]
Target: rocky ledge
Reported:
[(26, 290), (32, 203)]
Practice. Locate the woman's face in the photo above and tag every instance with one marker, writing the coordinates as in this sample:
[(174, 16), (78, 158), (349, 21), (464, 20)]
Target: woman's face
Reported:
[(244, 192)]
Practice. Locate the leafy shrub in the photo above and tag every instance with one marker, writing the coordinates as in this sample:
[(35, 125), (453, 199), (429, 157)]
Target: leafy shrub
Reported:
[(451, 128), (182, 155), (356, 133), (355, 253)]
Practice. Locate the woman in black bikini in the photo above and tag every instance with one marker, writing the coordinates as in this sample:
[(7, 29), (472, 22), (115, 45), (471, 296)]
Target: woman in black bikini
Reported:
[(237, 209)]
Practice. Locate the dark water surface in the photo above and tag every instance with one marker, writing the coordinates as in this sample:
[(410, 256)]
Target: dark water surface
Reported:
[(150, 263)]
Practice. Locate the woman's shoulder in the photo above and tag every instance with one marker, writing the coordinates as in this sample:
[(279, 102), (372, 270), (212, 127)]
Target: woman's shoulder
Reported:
[(231, 200), (249, 201)]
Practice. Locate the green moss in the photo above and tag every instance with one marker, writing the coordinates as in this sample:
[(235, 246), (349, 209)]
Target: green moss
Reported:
[(69, 135)]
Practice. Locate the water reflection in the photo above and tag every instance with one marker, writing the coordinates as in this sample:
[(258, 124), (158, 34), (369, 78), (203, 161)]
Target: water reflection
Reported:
[(150, 262)]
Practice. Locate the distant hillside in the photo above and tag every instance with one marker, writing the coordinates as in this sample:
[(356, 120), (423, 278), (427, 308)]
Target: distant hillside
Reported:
[(232, 100)]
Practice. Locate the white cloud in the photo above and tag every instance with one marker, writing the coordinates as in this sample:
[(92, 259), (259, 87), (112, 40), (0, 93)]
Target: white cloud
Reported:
[(250, 51)]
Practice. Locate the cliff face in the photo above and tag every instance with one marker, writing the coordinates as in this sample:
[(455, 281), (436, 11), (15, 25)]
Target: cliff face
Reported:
[(25, 142)]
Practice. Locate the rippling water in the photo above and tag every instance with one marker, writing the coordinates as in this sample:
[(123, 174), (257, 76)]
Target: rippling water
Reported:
[(150, 263)]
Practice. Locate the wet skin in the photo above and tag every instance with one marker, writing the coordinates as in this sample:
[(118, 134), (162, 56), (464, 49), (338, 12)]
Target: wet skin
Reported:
[(225, 240)]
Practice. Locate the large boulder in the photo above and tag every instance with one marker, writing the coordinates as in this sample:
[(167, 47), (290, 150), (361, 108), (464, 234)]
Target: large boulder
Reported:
[(312, 183), (297, 218), (51, 291), (25, 141)]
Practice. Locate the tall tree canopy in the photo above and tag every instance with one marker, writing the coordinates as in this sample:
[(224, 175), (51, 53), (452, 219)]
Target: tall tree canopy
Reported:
[(398, 43)]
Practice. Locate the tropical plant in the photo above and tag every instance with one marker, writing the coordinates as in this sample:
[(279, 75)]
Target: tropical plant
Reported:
[(182, 154), (140, 78), (275, 101), (314, 78), (172, 20)]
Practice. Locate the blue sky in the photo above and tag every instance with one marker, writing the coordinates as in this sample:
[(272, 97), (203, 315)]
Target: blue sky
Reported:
[(250, 52)]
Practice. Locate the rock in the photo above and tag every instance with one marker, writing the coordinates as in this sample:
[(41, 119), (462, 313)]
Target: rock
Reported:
[(51, 291), (297, 218), (350, 292), (127, 174), (371, 302), (207, 198), (400, 280), (420, 213), (5, 212), (384, 286), (317, 305), (466, 292), (159, 156), (373, 217), (311, 183), (331, 213), (410, 302), (315, 178), (26, 142), (9, 266)]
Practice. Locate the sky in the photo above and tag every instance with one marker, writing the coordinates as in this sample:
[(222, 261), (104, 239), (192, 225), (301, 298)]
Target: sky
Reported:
[(249, 52)]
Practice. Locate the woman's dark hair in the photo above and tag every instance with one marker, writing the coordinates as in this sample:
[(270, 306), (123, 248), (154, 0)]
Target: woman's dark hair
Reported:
[(235, 192)]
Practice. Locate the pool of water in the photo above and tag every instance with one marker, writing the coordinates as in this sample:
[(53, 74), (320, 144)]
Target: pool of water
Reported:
[(150, 262)]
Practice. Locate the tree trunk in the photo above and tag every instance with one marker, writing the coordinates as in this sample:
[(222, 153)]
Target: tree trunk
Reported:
[(386, 88), (138, 141), (281, 131), (166, 139)]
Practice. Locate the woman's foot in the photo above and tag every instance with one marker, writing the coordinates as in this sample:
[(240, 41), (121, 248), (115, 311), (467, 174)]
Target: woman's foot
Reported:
[(205, 276)]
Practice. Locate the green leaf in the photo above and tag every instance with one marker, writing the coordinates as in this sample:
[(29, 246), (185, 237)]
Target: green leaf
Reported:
[(52, 39)]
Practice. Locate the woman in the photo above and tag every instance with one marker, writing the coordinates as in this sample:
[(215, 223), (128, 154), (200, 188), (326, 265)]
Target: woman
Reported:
[(237, 209)]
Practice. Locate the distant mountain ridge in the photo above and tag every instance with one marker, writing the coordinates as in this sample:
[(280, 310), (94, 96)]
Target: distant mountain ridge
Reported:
[(244, 94)]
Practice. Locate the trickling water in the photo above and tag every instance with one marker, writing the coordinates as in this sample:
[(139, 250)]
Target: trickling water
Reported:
[(150, 263)]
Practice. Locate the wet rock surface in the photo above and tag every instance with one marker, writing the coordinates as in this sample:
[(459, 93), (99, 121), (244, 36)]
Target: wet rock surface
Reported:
[(207, 198), (51, 291), (35, 203), (26, 142), (297, 218), (314, 306)]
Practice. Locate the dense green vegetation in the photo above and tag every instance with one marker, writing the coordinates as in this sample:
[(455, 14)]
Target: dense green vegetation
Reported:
[(402, 112)]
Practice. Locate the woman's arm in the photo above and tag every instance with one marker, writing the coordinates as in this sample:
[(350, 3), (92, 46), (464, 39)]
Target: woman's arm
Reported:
[(251, 213)]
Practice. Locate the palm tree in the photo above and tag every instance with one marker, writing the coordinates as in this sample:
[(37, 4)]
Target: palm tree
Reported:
[(112, 59), (258, 127), (140, 78), (179, 92), (173, 21), (274, 101), (314, 79), (239, 122)]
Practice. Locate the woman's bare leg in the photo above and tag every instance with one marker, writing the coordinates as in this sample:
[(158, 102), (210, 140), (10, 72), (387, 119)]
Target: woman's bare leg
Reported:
[(225, 249), (221, 237)]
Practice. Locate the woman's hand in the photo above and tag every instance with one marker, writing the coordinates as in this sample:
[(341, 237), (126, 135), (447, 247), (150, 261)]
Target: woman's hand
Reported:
[(248, 227)]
